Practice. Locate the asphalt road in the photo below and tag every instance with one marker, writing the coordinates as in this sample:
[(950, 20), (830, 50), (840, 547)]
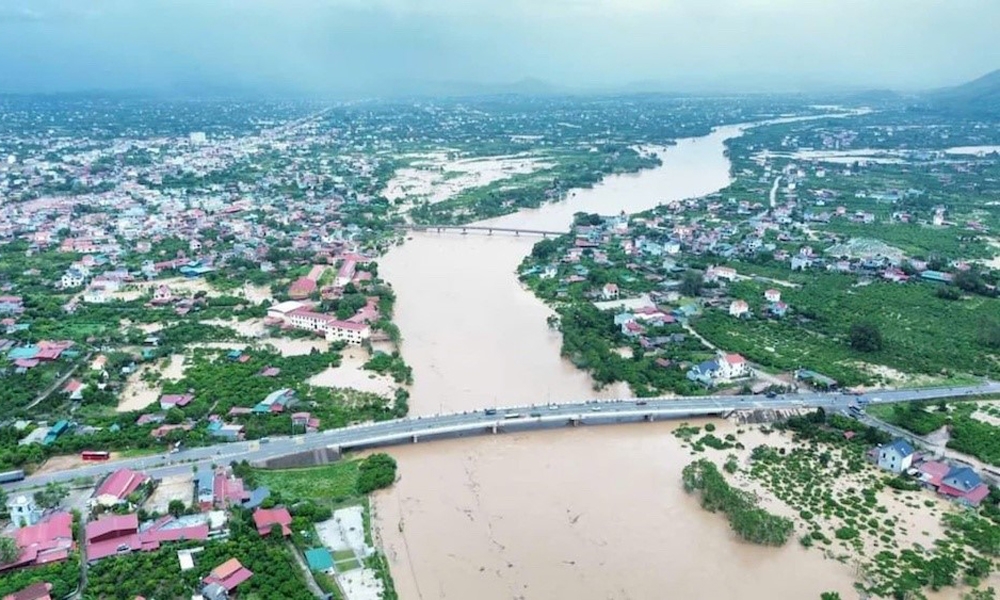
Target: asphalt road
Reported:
[(521, 418)]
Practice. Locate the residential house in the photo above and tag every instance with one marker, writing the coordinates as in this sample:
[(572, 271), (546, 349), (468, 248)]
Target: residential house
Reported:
[(266, 518), (47, 541), (739, 308), (609, 292), (73, 278), (704, 373), (227, 431), (163, 295), (276, 401), (11, 305), (228, 575), (772, 296), (733, 366), (57, 430), (168, 401), (227, 489), (301, 288), (74, 388), (896, 456), (35, 591), (964, 485), (112, 534), (716, 273), (172, 529), (815, 379), (117, 487), (319, 560), (778, 309)]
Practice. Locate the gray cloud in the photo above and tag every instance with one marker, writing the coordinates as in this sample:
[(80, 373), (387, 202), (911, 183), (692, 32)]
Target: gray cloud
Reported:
[(385, 46)]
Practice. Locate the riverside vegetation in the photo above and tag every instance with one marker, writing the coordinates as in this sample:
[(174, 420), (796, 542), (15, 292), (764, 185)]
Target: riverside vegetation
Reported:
[(848, 509)]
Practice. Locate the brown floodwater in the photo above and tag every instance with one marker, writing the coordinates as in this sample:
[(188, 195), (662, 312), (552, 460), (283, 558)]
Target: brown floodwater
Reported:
[(588, 513)]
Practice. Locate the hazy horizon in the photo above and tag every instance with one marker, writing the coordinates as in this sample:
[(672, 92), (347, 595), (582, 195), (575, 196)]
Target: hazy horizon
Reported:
[(383, 47)]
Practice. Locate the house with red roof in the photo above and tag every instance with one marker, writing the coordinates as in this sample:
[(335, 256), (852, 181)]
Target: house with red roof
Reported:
[(266, 518), (301, 288), (964, 485), (228, 575), (228, 490), (168, 401), (733, 366), (112, 534), (74, 387), (35, 591), (50, 540), (117, 487), (173, 529)]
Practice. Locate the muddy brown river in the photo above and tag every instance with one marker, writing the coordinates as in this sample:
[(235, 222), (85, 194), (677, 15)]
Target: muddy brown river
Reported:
[(585, 513)]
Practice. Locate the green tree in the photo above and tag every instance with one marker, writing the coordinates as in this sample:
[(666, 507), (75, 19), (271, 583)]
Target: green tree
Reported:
[(51, 495), (829, 596), (376, 472), (692, 283), (8, 550), (866, 337), (176, 508)]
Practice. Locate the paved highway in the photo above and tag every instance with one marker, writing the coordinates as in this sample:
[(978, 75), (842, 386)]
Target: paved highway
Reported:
[(500, 419)]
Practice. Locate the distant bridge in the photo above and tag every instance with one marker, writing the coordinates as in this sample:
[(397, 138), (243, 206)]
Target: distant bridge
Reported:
[(487, 229)]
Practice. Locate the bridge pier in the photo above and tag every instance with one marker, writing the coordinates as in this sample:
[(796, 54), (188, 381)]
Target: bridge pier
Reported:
[(494, 428), (650, 417), (574, 421), (490, 231), (415, 438)]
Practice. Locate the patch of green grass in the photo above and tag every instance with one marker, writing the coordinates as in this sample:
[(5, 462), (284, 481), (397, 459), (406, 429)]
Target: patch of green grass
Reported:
[(348, 565), (336, 482), (341, 555)]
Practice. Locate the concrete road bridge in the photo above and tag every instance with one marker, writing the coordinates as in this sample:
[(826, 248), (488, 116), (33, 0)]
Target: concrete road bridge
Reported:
[(493, 421)]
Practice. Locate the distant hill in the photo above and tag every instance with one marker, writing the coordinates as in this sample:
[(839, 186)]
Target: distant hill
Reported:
[(978, 97)]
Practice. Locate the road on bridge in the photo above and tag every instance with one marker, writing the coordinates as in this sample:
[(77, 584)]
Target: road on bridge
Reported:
[(521, 418)]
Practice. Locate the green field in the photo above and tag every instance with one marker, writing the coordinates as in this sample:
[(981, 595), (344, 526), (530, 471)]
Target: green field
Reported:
[(336, 482)]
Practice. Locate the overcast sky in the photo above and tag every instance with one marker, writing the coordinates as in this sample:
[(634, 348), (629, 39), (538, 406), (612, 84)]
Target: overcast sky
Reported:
[(391, 46)]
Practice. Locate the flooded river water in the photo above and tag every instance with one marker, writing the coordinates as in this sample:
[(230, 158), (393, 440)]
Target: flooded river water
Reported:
[(588, 513)]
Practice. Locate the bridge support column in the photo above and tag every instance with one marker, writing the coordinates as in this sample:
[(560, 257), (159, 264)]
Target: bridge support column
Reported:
[(494, 428), (415, 439), (490, 231), (650, 418)]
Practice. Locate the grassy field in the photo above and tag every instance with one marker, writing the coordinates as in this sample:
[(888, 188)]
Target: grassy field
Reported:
[(336, 482), (923, 334)]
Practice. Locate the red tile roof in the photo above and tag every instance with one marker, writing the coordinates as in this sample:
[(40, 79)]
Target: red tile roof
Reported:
[(35, 591), (49, 540), (112, 535), (264, 518), (121, 483), (176, 399), (229, 574)]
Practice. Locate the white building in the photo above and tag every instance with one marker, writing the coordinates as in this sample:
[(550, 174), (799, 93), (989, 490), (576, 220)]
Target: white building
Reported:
[(197, 137), (23, 511), (72, 278), (739, 308), (896, 457), (352, 333)]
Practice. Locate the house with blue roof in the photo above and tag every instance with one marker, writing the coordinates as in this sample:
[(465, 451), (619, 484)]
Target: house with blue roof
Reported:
[(896, 456), (275, 402), (705, 372), (319, 559), (964, 485), (57, 430)]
